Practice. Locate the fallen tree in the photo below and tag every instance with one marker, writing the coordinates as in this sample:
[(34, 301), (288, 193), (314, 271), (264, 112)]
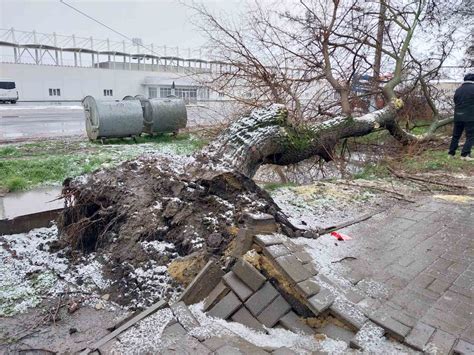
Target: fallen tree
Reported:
[(197, 204)]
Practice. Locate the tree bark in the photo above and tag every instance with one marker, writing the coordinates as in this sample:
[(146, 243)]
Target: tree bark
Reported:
[(266, 136)]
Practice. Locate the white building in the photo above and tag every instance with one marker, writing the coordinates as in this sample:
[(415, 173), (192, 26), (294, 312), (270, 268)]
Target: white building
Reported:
[(50, 67)]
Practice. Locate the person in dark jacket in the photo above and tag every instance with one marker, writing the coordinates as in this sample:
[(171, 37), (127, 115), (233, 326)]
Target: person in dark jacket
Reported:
[(464, 118)]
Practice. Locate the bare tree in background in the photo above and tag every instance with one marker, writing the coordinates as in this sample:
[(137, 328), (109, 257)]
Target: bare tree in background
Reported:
[(323, 58)]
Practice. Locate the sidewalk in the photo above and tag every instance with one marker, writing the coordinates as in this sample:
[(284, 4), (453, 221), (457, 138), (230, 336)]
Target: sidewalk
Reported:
[(415, 265)]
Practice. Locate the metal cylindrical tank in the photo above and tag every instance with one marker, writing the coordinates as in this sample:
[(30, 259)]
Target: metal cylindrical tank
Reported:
[(147, 113), (110, 119), (128, 97), (166, 115)]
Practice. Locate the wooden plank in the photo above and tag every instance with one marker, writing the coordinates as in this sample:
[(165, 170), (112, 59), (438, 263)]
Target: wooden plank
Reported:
[(23, 224), (150, 310)]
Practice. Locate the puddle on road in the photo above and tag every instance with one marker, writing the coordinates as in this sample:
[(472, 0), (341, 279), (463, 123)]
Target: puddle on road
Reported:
[(21, 203)]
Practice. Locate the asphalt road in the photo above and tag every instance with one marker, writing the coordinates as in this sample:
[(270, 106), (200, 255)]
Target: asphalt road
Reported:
[(25, 121), (22, 121)]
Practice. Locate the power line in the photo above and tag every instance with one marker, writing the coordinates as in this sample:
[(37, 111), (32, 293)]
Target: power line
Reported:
[(108, 27)]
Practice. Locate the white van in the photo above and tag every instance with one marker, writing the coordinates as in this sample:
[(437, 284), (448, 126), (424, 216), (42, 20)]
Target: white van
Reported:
[(8, 91)]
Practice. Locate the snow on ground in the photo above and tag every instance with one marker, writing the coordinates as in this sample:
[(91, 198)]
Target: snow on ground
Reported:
[(303, 344), (146, 337), (29, 273), (324, 203)]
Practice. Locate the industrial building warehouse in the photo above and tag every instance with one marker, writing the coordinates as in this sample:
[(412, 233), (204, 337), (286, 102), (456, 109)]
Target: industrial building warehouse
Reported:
[(52, 67)]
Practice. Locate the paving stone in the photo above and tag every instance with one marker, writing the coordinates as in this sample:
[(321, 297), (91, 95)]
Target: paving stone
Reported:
[(312, 268), (293, 268), (216, 295), (258, 217), (324, 281), (463, 347), (243, 316), (225, 307), (215, 343), (228, 350), (246, 347), (337, 333), (292, 322), (274, 311), (369, 333), (353, 296), (396, 329), (243, 242), (439, 286), (237, 285), (422, 280), (270, 239), (249, 274), (442, 341), (303, 256), (403, 318), (348, 312), (274, 251), (174, 330), (308, 287), (184, 316), (293, 247), (262, 298), (205, 281), (355, 276), (283, 351), (439, 323), (321, 301), (419, 335), (261, 222), (186, 345)]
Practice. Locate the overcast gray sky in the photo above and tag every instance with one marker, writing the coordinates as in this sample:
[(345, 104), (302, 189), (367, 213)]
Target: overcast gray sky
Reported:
[(163, 22)]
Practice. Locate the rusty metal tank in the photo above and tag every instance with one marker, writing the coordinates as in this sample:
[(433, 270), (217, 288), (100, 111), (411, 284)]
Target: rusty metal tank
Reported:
[(111, 119)]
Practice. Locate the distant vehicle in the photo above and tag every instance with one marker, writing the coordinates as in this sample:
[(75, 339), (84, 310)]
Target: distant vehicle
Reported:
[(8, 91)]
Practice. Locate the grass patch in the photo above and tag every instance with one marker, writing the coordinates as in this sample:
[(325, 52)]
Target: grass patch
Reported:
[(23, 166), (372, 171), (15, 183), (20, 174), (272, 186), (425, 162), (436, 160), (376, 137), (8, 152)]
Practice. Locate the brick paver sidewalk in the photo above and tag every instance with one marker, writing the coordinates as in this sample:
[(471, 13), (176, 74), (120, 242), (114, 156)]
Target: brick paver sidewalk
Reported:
[(415, 264)]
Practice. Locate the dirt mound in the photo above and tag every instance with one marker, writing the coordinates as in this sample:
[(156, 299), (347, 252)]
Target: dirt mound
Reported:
[(126, 212)]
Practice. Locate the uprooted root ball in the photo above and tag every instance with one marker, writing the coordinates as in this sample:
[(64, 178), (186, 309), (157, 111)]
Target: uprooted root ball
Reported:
[(118, 211)]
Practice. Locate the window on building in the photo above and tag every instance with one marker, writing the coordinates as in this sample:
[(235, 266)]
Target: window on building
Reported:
[(221, 94), (165, 92), (54, 92), (108, 92), (152, 93)]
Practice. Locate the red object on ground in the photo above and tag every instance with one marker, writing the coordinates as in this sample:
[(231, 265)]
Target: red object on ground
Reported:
[(340, 236)]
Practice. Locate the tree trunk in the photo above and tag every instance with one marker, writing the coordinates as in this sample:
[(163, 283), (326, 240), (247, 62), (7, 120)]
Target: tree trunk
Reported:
[(266, 136)]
